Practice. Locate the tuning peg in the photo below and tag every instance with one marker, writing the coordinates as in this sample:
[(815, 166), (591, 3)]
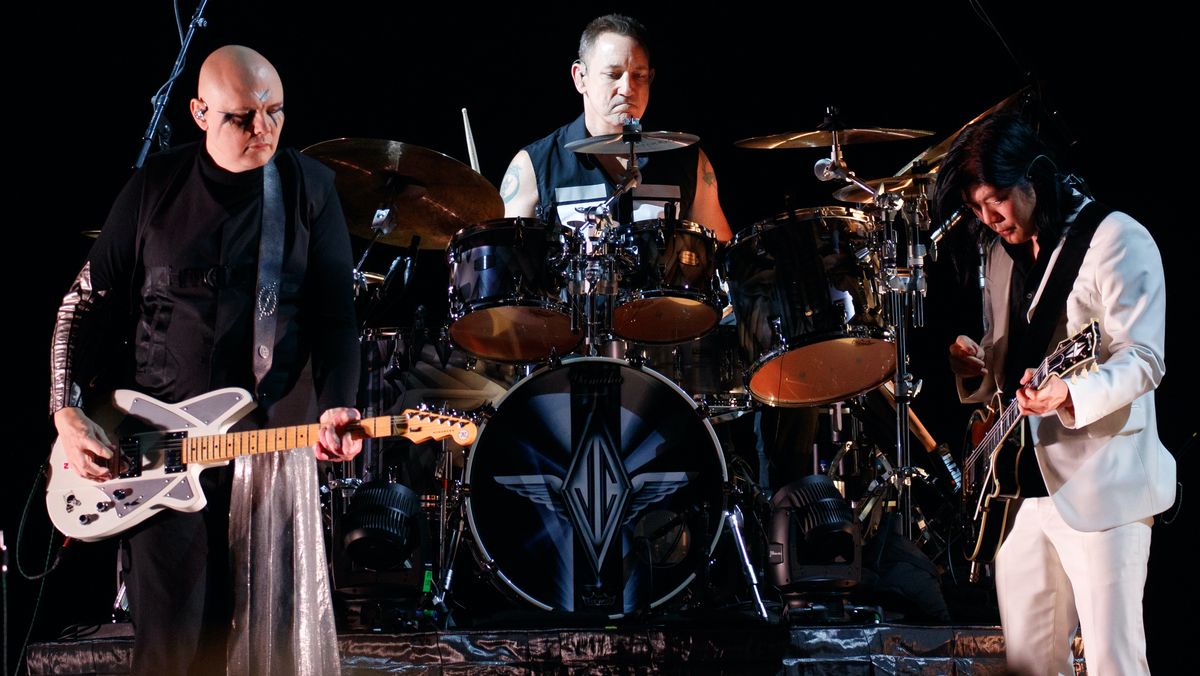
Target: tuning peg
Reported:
[(1074, 378), (1095, 368)]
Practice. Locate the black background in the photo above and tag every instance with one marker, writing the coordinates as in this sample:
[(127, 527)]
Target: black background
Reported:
[(78, 99)]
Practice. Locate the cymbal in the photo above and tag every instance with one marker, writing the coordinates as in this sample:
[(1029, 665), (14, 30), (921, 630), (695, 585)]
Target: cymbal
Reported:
[(429, 194), (90, 234), (648, 142), (933, 156), (824, 138), (904, 185)]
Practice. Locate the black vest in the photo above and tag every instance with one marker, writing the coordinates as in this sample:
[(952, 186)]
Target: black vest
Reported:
[(567, 180)]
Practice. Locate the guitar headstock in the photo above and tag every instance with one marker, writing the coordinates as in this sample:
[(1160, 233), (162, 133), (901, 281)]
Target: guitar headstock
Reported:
[(1075, 353), (428, 425)]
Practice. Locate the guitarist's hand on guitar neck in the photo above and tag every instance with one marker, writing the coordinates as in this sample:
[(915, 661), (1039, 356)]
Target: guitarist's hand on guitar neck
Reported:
[(335, 441), (1051, 396), (86, 445)]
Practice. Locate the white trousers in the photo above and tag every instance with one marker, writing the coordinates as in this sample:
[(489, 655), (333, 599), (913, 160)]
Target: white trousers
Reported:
[(1051, 577)]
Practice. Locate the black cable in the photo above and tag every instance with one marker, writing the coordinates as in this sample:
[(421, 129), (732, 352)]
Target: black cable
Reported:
[(48, 567), (37, 602), (178, 23), (41, 474), (4, 599), (977, 7)]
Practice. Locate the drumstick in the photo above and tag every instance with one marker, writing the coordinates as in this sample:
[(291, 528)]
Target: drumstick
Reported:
[(470, 142), (915, 426)]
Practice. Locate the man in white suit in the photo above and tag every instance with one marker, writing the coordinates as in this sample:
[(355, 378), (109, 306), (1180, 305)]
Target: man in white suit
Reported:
[(1077, 548)]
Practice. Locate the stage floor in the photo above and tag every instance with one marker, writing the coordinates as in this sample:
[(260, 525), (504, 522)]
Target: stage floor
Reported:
[(712, 649)]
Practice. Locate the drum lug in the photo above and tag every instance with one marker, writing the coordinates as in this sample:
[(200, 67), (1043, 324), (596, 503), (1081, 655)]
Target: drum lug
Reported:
[(777, 338), (702, 409)]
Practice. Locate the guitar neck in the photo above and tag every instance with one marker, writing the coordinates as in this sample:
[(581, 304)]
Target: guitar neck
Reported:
[(1004, 425), (1011, 416), (223, 447)]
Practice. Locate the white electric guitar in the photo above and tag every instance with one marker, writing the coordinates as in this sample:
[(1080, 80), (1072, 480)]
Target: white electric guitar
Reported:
[(157, 465)]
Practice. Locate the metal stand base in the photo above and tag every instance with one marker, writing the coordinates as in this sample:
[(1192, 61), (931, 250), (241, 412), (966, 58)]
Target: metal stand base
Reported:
[(734, 520)]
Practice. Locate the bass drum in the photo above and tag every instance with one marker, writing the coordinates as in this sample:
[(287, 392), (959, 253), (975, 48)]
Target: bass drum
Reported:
[(595, 488)]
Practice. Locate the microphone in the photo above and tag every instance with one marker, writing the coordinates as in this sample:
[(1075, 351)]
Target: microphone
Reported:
[(944, 229), (827, 170)]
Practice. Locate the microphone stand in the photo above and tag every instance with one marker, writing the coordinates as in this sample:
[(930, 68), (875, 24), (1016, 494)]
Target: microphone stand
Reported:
[(164, 92)]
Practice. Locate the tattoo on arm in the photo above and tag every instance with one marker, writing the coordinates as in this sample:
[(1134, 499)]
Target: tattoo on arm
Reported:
[(710, 178), (511, 184)]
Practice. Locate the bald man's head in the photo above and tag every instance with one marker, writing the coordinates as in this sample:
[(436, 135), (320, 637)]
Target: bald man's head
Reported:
[(239, 105)]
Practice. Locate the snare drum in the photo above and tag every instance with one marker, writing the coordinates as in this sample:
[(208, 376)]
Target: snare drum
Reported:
[(708, 368), (595, 488), (810, 323), (672, 293), (507, 295)]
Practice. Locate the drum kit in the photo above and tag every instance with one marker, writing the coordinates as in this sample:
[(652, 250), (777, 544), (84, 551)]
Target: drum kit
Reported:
[(598, 484)]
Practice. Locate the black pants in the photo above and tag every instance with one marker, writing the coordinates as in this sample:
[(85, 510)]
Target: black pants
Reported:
[(178, 578)]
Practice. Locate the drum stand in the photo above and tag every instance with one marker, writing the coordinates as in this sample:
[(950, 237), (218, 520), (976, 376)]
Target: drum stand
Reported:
[(734, 520)]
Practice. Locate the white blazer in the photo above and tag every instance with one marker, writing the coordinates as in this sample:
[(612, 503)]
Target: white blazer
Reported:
[(1103, 464)]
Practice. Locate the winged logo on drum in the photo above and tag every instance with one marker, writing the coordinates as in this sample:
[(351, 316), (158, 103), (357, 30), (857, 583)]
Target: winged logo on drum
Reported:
[(547, 490), (543, 489)]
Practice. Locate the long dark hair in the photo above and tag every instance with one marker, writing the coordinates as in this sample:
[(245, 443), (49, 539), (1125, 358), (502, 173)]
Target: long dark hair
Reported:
[(1004, 152)]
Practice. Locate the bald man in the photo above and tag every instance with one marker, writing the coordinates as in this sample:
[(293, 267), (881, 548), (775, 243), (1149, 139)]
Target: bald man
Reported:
[(174, 276)]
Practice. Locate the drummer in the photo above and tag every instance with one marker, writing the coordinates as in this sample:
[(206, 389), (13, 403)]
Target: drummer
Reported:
[(613, 76)]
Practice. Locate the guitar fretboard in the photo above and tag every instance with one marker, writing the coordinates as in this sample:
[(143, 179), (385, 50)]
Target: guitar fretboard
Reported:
[(221, 447)]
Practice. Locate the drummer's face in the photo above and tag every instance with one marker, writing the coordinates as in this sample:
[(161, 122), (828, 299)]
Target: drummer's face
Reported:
[(614, 79)]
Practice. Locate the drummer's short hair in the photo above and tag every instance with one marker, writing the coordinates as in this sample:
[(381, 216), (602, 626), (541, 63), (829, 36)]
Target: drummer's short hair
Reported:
[(613, 23)]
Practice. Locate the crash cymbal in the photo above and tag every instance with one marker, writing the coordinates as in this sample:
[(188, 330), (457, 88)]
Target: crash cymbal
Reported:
[(824, 138), (933, 156), (905, 185), (90, 234), (429, 194), (646, 142)]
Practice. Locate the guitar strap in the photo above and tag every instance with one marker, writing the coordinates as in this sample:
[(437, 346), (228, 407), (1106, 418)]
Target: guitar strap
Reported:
[(270, 265), (1052, 307)]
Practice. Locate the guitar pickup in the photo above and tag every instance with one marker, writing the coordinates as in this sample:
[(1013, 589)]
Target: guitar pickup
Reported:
[(130, 449), (172, 450)]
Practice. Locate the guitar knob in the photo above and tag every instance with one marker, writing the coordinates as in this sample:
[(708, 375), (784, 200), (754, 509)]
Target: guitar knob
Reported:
[(121, 493), (103, 506), (85, 519)]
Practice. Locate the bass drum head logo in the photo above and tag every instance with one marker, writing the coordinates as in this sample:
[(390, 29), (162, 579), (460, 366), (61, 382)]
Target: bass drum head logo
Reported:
[(596, 487)]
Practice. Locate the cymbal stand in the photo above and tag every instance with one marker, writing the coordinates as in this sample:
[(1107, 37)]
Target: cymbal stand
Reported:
[(593, 278), (904, 280)]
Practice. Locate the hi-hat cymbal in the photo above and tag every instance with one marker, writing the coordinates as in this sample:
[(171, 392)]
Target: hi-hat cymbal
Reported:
[(933, 156), (824, 138), (905, 185), (643, 142), (429, 194)]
